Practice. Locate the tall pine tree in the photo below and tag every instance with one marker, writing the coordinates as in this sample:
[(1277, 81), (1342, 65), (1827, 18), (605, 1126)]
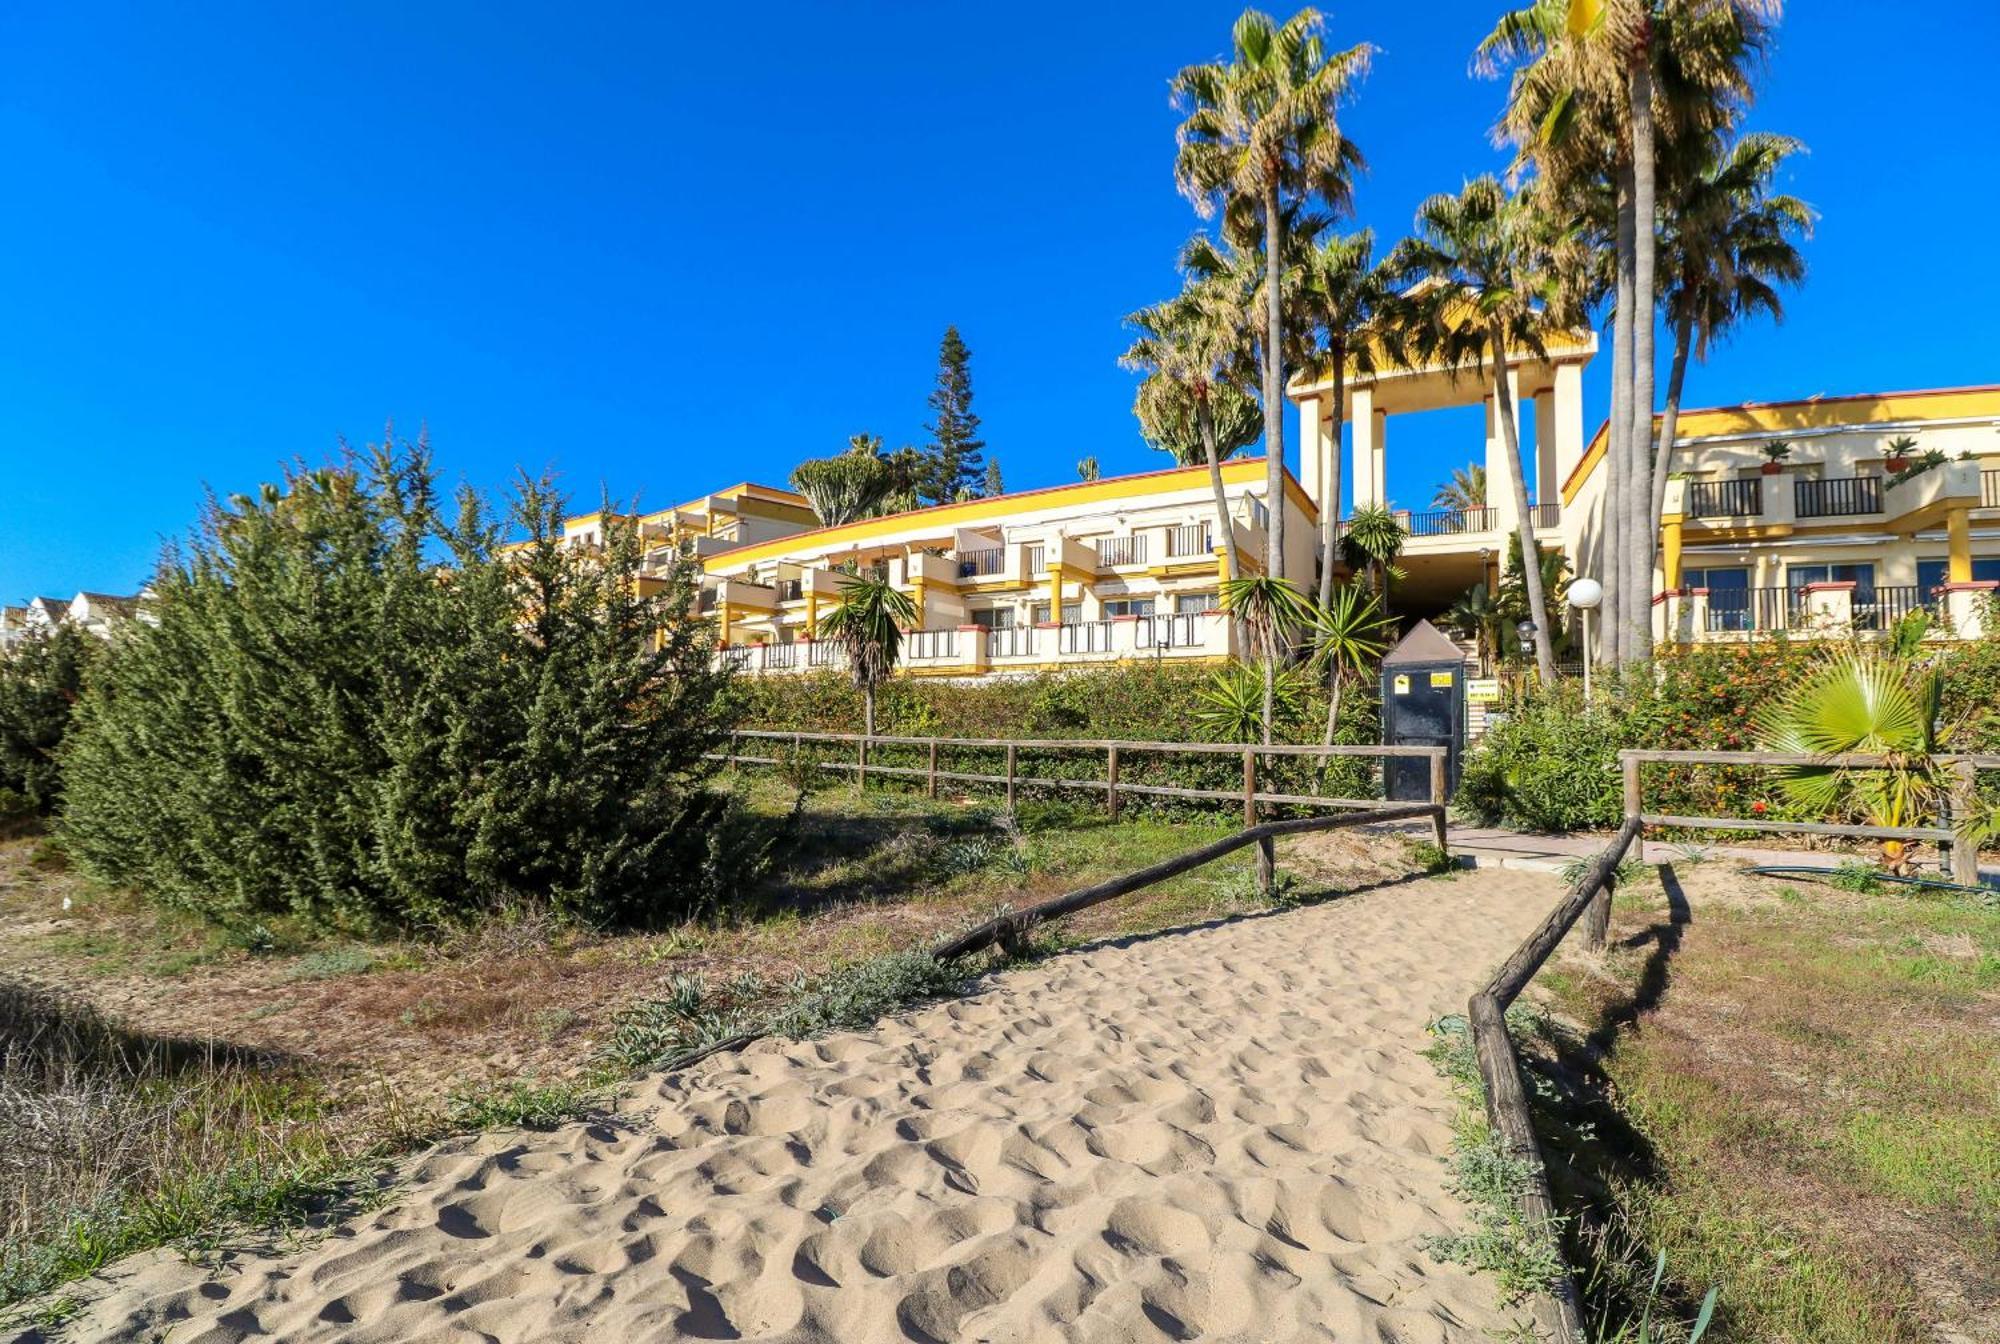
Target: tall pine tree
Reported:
[(953, 466)]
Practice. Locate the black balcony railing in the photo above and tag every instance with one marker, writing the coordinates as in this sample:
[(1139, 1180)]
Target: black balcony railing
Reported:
[(1014, 641), (1726, 499), (934, 644), (1085, 637), (1450, 522), (1883, 607), (1121, 551), (1753, 609), (1188, 540), (1840, 497), (973, 564), (1989, 489)]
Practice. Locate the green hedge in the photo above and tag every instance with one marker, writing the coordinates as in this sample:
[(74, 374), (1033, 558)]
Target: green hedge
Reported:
[(1550, 762), (1148, 702)]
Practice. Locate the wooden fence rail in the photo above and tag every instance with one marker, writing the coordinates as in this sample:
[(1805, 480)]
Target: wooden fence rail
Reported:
[(1116, 754), (1500, 1067)]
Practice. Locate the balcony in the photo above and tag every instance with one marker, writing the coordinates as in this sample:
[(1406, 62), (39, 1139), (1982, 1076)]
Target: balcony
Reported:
[(1793, 610), (778, 657), (982, 563), (1545, 515), (1036, 560), (933, 645), (1726, 499), (706, 601), (826, 653), (1113, 552), (1183, 630), (1085, 637), (1189, 541), (791, 590), (1013, 641), (1450, 522), (1839, 497), (1989, 489)]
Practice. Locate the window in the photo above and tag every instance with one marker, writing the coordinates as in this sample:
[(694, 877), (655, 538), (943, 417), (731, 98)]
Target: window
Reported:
[(1185, 603), (1728, 596), (1128, 606), (1932, 574), (1072, 612), (994, 618), (1861, 576)]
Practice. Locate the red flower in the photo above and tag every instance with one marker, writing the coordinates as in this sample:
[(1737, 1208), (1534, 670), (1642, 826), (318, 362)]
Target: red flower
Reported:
[(1758, 807)]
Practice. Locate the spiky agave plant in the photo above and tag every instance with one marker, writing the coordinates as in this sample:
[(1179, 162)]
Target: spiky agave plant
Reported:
[(1231, 707), (1861, 703)]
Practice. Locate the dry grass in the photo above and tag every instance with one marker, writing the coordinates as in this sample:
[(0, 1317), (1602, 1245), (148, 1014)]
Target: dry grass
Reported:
[(1802, 1102), (337, 1054)]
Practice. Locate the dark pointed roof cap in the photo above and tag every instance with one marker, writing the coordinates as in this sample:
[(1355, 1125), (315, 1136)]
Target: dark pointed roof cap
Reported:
[(1424, 644)]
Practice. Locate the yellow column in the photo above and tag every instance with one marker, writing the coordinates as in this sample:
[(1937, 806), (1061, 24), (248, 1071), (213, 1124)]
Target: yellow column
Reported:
[(917, 600), (722, 623), (812, 614), (1222, 564), (1670, 551), (1055, 591), (1958, 528)]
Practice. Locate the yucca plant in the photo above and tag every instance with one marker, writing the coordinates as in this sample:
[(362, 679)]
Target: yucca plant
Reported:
[(1237, 706), (1349, 633), (868, 622), (1271, 612), (1860, 703)]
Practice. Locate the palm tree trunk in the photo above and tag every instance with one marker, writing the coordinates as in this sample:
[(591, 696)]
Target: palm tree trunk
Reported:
[(1617, 586), (1531, 555), (1204, 419), (1670, 415), (1270, 690), (1274, 382), (1329, 504), (1640, 528)]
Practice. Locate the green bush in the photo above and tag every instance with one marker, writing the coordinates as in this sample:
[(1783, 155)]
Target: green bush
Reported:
[(359, 707), (1548, 762), (41, 678)]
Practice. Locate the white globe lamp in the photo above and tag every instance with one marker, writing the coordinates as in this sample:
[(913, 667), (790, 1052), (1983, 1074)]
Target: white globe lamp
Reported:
[(1585, 595)]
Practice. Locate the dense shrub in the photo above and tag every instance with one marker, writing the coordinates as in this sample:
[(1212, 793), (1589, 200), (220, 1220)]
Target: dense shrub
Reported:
[(1551, 763), (359, 707), (41, 678)]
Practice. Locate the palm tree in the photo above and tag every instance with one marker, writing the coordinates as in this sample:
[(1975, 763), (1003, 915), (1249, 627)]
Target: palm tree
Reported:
[(1862, 704), (1728, 244), (868, 623), (1478, 617), (1261, 131), (1372, 540), (1465, 490), (1473, 267), (1195, 349), (1599, 88), (1349, 632), (1268, 609), (1345, 298)]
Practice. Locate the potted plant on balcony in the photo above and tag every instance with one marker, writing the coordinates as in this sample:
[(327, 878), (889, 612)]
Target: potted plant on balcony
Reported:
[(1913, 467), (1775, 453), (1899, 453)]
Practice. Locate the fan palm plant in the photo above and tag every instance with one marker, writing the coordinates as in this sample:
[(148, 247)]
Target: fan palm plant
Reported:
[(1270, 611), (1261, 130), (1475, 268), (1862, 703), (1479, 617), (868, 622)]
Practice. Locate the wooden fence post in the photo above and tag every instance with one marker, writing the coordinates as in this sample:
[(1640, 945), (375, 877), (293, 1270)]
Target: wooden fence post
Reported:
[(1111, 780), (1010, 776), (1633, 805), (930, 782), (1267, 865), (1964, 856), (861, 764), (1438, 787), (1249, 787)]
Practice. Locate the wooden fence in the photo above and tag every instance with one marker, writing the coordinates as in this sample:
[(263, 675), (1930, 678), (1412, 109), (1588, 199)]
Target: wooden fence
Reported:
[(1963, 767), (1115, 753)]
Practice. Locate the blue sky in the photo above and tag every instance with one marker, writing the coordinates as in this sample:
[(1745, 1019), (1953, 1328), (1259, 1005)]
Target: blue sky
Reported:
[(666, 251)]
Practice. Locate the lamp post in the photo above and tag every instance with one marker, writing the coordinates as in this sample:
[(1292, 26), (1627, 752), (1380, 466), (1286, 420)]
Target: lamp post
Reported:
[(1584, 595)]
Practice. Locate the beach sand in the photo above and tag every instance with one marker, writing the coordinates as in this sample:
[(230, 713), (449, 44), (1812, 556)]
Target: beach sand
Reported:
[(1221, 1133)]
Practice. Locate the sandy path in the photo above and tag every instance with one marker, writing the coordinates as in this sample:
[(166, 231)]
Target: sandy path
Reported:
[(1222, 1134)]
